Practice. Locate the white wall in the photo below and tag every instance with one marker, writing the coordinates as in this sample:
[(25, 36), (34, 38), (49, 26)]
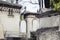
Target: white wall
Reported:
[(49, 21), (29, 25), (10, 23), (33, 24), (1, 32)]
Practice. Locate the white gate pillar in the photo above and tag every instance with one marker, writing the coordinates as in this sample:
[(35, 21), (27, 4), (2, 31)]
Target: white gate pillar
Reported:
[(29, 25)]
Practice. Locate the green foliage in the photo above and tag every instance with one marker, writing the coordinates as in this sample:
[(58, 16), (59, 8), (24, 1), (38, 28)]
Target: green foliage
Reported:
[(20, 17), (55, 4)]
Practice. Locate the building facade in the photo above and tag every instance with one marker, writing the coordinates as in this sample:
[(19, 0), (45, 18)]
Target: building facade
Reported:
[(48, 19), (9, 19)]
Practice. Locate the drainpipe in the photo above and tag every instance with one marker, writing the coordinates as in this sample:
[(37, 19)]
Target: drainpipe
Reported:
[(26, 22), (39, 12), (40, 9), (26, 31), (26, 25)]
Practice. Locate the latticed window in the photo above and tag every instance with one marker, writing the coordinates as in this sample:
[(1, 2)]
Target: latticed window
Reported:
[(10, 12)]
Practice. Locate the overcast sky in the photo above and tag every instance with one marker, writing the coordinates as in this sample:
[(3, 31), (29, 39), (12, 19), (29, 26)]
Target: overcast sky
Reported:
[(31, 7)]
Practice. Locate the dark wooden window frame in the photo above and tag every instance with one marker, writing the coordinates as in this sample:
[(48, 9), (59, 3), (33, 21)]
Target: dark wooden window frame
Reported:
[(10, 12)]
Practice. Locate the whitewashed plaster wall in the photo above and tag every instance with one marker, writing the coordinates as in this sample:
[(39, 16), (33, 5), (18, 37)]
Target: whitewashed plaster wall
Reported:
[(34, 23), (49, 21), (29, 25), (10, 24), (44, 22), (1, 32)]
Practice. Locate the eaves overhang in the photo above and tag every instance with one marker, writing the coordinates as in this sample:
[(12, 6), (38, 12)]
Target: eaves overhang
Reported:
[(10, 5), (44, 14), (39, 31)]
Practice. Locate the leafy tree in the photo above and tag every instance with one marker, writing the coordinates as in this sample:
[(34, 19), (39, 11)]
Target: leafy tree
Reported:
[(55, 4)]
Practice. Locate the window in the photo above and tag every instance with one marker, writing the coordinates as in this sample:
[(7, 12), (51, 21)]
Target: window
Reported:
[(10, 12), (45, 3)]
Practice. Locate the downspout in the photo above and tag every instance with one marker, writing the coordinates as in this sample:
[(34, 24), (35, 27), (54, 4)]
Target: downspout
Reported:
[(39, 12)]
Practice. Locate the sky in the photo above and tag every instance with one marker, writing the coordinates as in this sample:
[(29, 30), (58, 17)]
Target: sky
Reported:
[(31, 7)]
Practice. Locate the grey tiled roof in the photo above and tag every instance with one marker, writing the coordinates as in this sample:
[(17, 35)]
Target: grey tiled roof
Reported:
[(46, 29), (11, 5)]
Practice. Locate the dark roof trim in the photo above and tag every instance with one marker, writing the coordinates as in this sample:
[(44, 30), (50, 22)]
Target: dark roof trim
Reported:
[(45, 14), (10, 5), (30, 14), (46, 29), (48, 14)]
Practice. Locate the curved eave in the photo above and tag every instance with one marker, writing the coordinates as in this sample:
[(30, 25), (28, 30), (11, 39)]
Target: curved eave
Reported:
[(10, 5), (29, 13), (49, 13), (45, 14)]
